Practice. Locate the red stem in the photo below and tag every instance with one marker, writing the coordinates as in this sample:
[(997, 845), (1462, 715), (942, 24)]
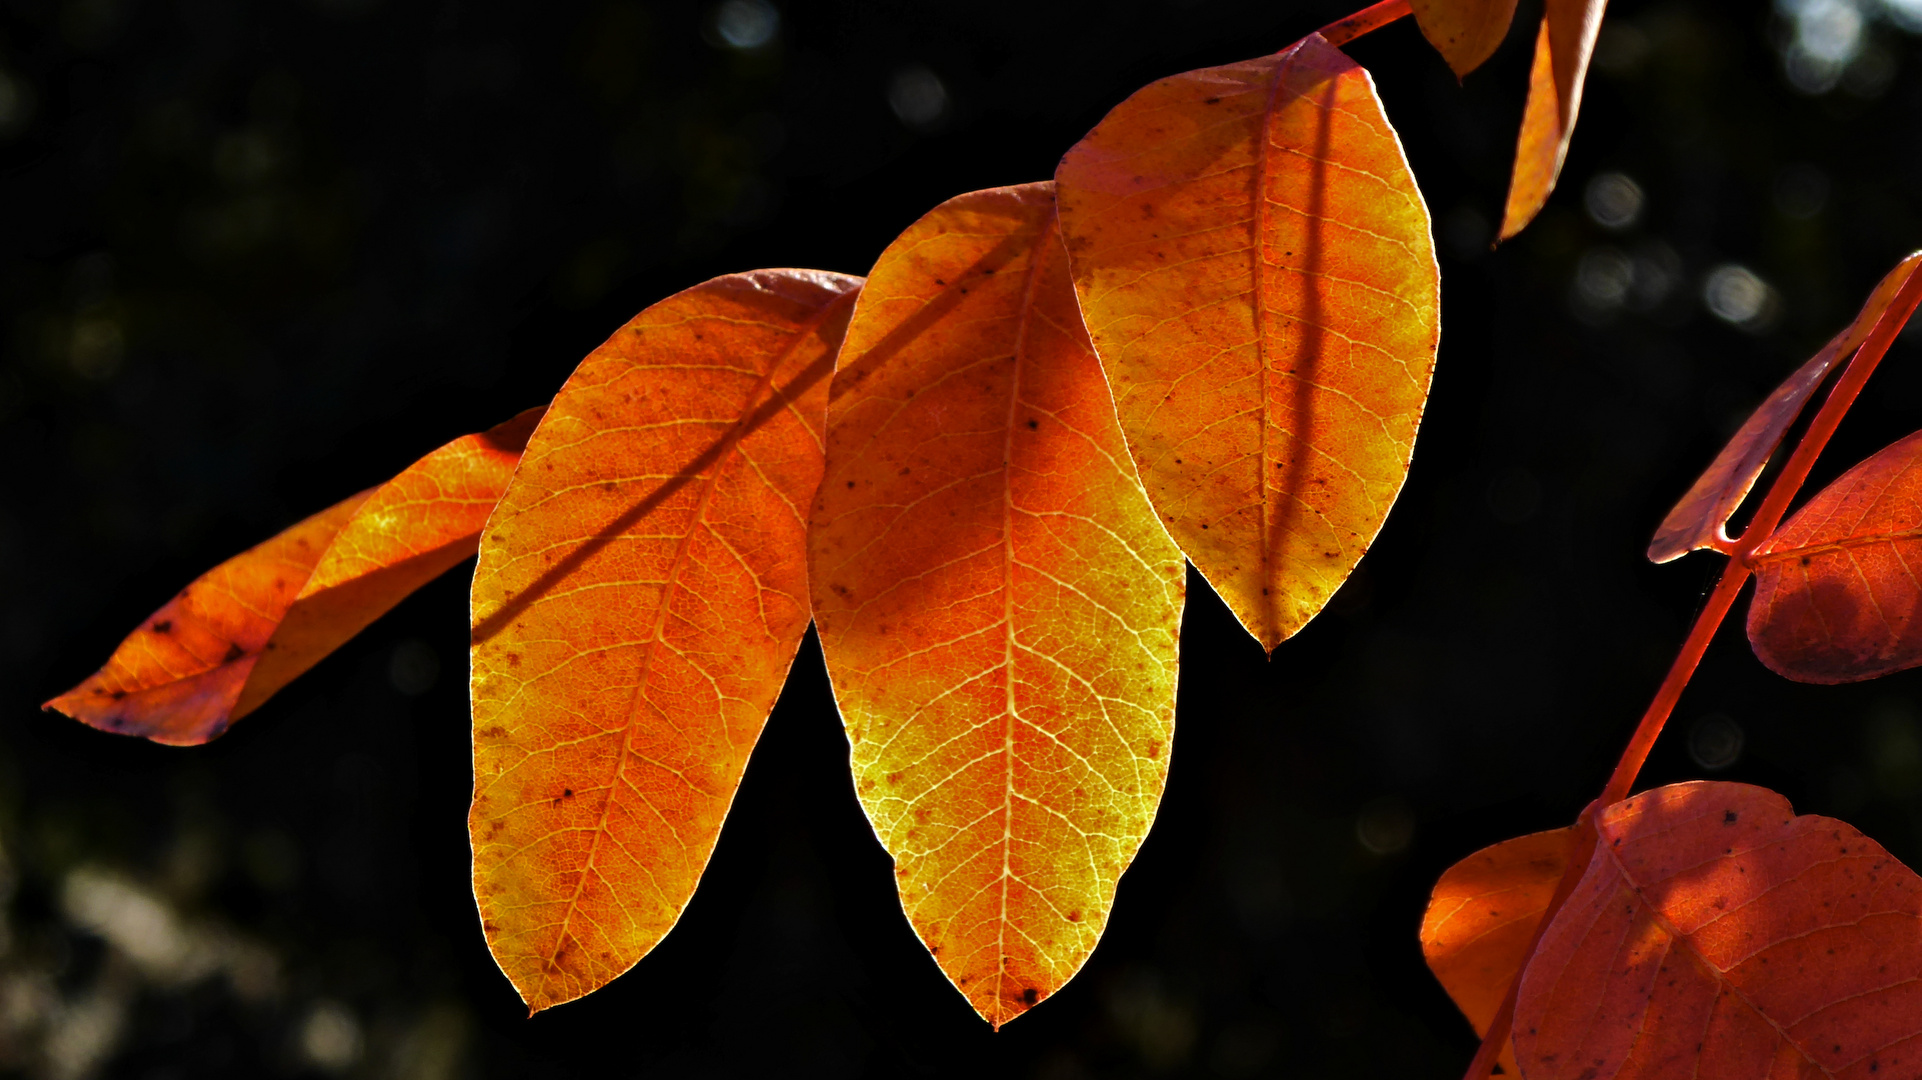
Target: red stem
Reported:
[(1368, 19), (1774, 505), (1734, 575), (1579, 854)]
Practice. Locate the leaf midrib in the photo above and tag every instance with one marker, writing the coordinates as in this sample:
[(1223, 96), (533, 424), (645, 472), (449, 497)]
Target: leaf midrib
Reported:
[(1847, 543), (1036, 256), (1257, 228)]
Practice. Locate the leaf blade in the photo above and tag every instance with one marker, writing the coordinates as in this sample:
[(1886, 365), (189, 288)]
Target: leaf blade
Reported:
[(1563, 47), (1465, 32), (1699, 519), (1835, 592), (1254, 263), (243, 630), (1003, 658), (1715, 933), (1481, 920), (640, 597)]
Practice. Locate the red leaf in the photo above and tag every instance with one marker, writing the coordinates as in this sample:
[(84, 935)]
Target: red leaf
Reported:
[(1698, 520), (249, 626), (1836, 592), (1716, 934)]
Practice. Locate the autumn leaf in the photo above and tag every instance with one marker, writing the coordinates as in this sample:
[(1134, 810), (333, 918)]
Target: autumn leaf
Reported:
[(1465, 32), (640, 596), (1255, 267), (1700, 519), (1481, 920), (249, 626), (1562, 50), (1716, 934), (1836, 595), (996, 602)]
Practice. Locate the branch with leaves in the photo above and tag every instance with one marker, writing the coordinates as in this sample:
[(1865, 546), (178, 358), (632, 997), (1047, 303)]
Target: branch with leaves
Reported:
[(978, 473)]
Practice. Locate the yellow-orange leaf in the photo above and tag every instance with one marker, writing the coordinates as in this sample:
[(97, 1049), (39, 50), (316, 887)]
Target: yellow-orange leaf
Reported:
[(640, 595), (1562, 48), (252, 624), (1700, 518), (1255, 267), (1465, 32), (1481, 920), (997, 603)]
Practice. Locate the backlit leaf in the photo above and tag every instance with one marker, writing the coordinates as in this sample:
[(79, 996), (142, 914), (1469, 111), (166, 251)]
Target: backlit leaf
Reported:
[(1699, 520), (997, 604), (1465, 32), (641, 591), (1255, 267), (1562, 50), (1716, 934), (249, 626), (1836, 593), (1481, 920)]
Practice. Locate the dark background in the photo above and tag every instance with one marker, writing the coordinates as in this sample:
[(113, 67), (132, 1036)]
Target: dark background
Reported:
[(254, 257)]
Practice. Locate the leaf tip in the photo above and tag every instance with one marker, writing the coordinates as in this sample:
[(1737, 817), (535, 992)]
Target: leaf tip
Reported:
[(1461, 64), (537, 1000), (1515, 218)]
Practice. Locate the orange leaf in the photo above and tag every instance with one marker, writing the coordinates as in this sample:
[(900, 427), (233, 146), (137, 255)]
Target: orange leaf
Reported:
[(1699, 519), (1465, 32), (1255, 268), (997, 604), (1716, 934), (249, 626), (1835, 588), (640, 595), (1481, 920), (1562, 50)]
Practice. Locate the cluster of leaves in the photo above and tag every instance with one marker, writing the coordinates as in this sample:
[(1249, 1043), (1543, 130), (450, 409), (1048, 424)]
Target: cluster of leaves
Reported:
[(977, 472), (1703, 929)]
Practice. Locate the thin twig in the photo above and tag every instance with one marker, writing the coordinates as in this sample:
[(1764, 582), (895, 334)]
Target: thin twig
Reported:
[(1368, 19)]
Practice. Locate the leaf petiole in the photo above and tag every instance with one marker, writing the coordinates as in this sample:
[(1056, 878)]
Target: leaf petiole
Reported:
[(1367, 20)]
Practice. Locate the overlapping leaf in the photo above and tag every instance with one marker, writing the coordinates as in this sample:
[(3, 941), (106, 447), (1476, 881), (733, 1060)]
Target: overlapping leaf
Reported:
[(1465, 32), (640, 595), (1481, 920), (1836, 592), (1700, 519), (249, 626), (1716, 934), (1562, 50), (996, 601), (1255, 268)]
